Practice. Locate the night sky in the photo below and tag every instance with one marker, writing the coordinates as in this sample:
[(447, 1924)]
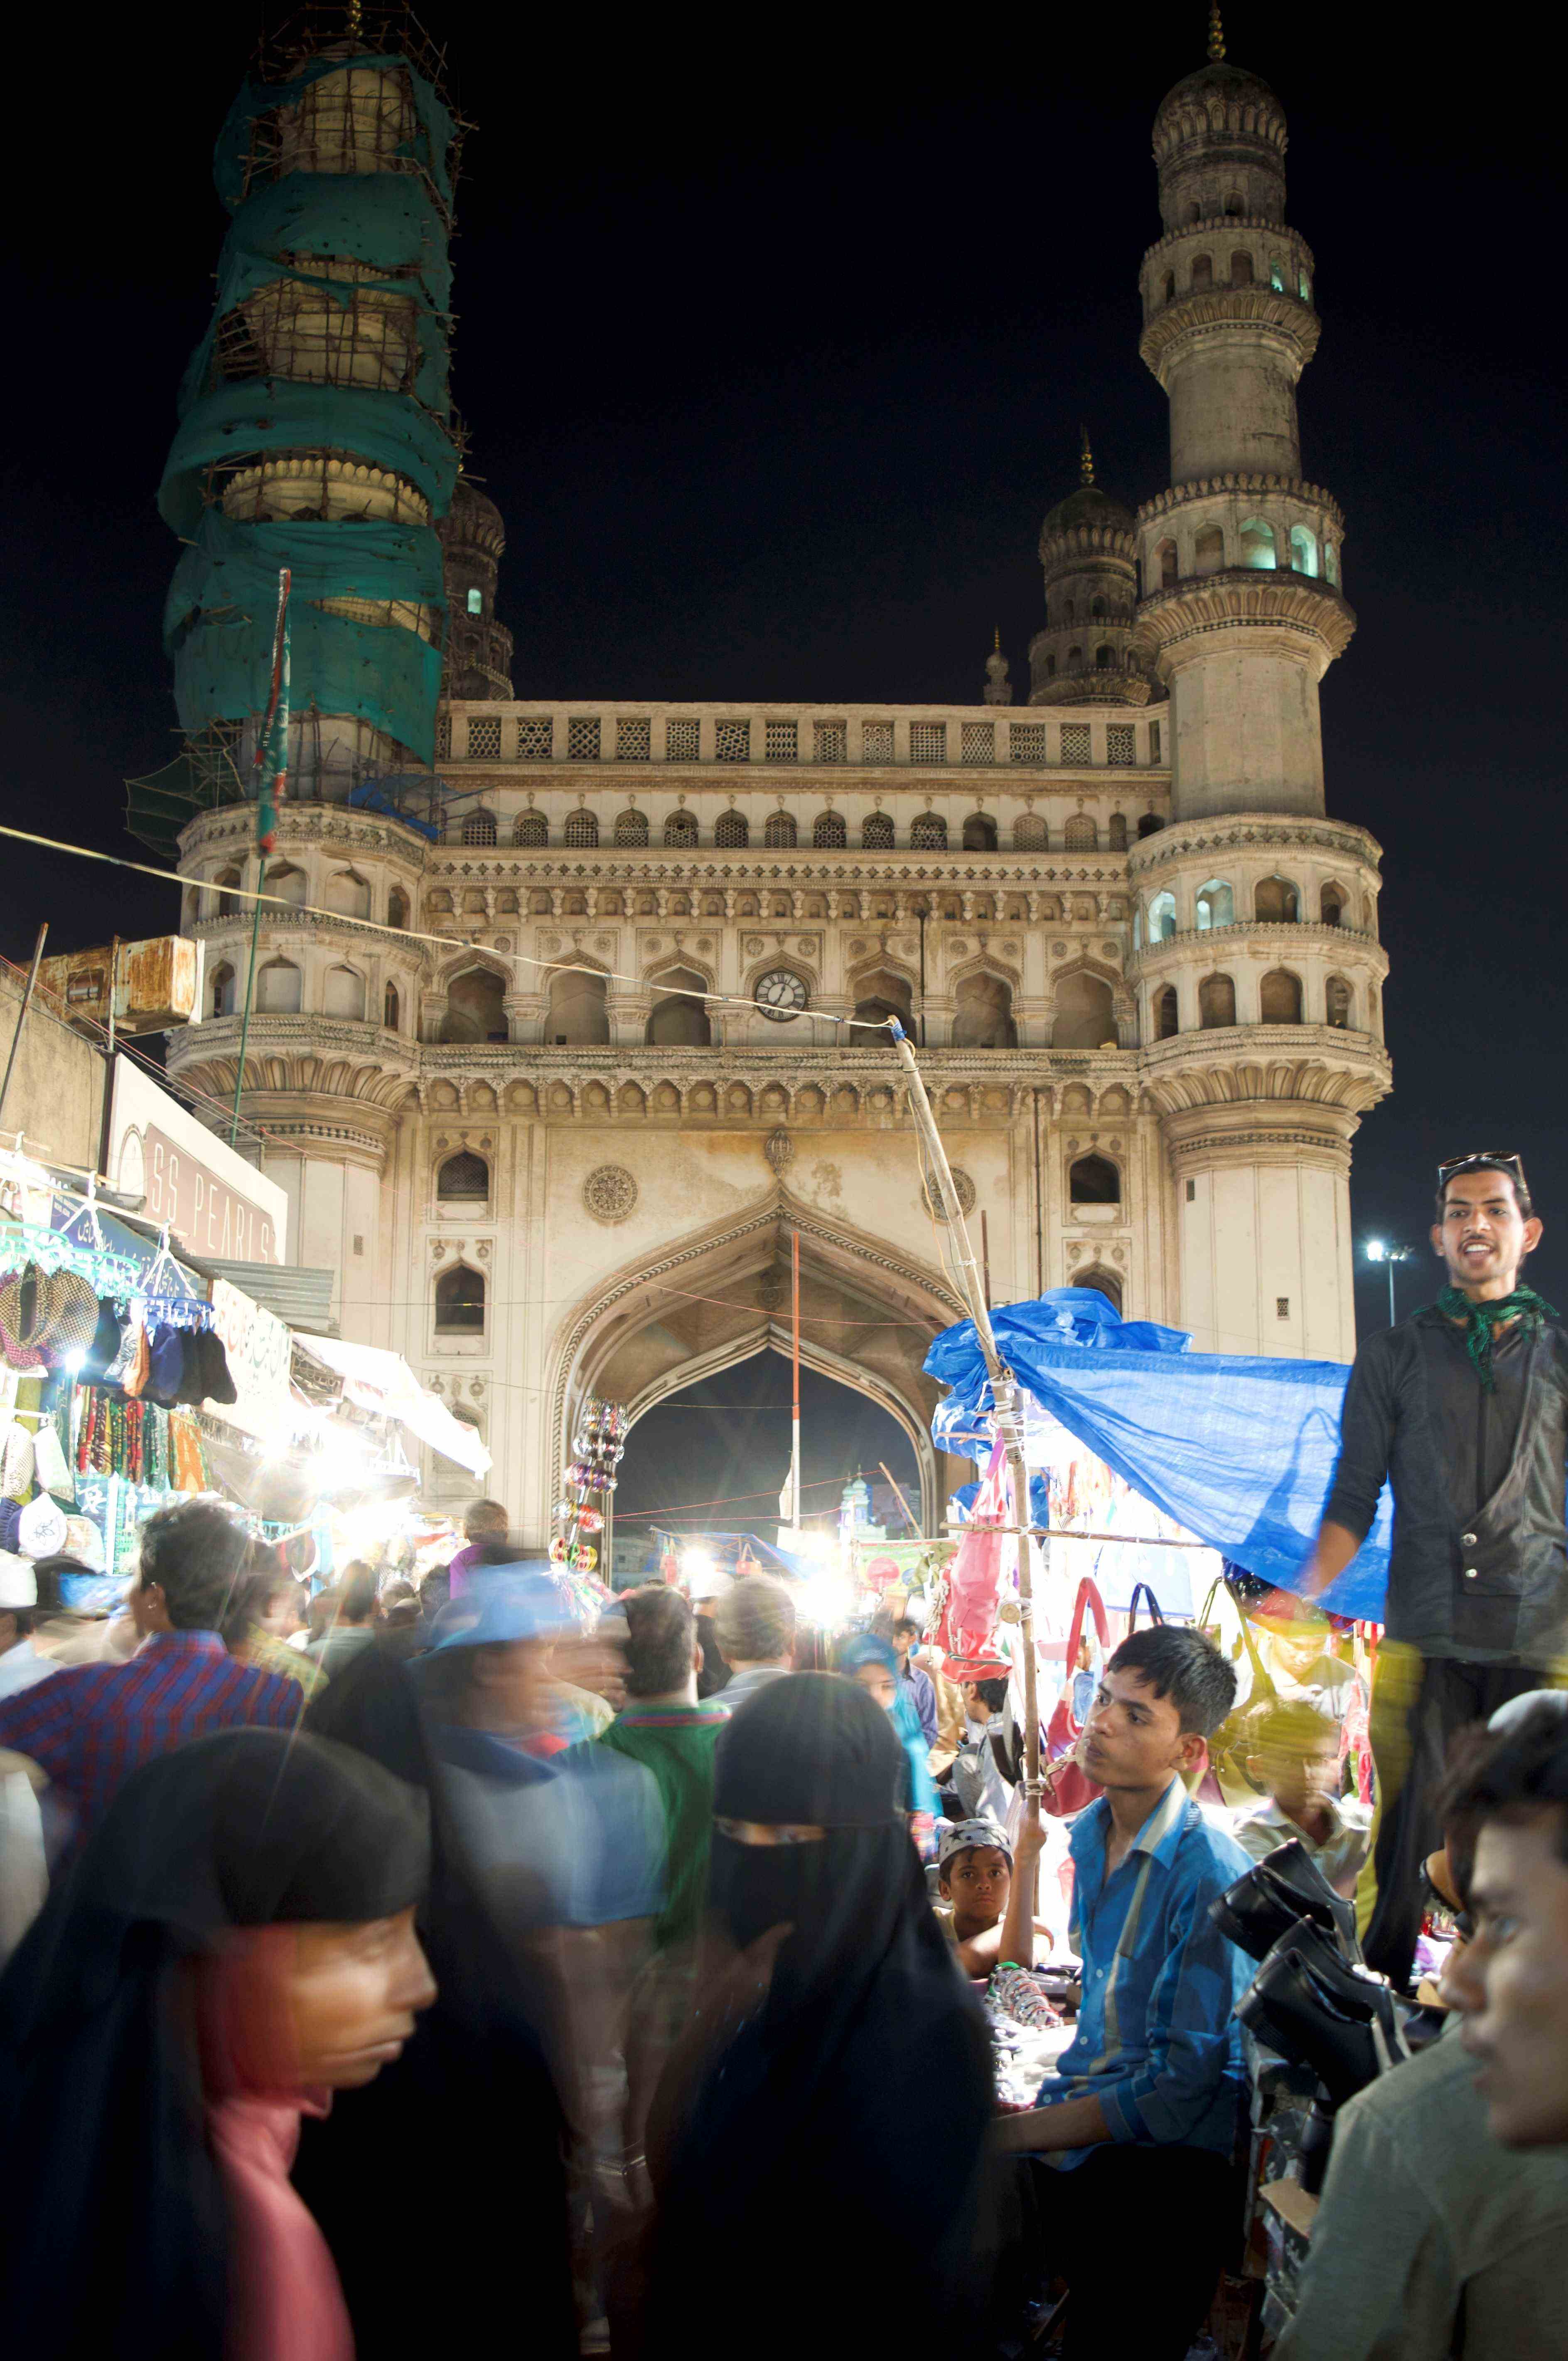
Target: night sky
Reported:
[(773, 363)]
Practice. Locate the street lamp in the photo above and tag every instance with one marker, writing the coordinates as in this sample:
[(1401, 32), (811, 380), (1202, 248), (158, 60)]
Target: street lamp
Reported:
[(1379, 1250)]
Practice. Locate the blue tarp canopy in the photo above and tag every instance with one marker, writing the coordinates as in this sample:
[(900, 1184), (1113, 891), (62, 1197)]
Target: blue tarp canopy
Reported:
[(1238, 1448)]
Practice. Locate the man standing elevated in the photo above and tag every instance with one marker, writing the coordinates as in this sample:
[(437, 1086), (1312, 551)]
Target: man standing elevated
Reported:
[(1463, 1408)]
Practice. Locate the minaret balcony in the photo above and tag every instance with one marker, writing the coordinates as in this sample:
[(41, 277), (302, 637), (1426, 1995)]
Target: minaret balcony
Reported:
[(1273, 612), (1218, 311)]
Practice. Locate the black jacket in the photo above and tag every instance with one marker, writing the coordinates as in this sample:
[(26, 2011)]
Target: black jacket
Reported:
[(1492, 1588)]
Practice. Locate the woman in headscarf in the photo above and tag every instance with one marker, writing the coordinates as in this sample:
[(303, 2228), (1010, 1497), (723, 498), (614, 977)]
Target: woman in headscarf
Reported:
[(817, 2148), (234, 1943), (873, 1663)]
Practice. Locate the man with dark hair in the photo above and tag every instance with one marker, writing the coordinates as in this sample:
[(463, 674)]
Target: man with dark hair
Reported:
[(674, 1733), (1463, 1409), (1444, 2214), (922, 1694), (1142, 2116), (755, 1624), (350, 1624), (1292, 1754), (89, 1727)]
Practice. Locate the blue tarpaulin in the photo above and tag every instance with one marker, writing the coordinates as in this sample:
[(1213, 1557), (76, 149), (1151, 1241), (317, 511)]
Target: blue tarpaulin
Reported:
[(1239, 1449)]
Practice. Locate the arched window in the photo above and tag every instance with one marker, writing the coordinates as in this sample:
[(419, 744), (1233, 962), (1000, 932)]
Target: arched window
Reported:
[(1116, 831), (1093, 1180), (631, 828), (464, 1179), (829, 833), (391, 1009), (876, 832), (1165, 559), (1030, 833), (1209, 552), (1203, 271), (1086, 1013), (280, 989), (1279, 997), (459, 1302), (1233, 206), (286, 884), (1340, 1002), (1276, 277), (1275, 902), (1104, 659), (678, 1019), (982, 1015), (1097, 606), (226, 907), (1194, 213), (476, 602), (980, 833), (1162, 917), (928, 833), (779, 828), (1303, 287), (220, 991), (532, 829), (1303, 550), (1330, 563), (1216, 1002), (681, 827), (731, 828), (578, 1013), (1240, 269), (1080, 834), (347, 893), (1068, 610), (1104, 1282), (1257, 545), (582, 827), (1050, 668), (1149, 824), (397, 908), (1165, 1022), (476, 1007), (882, 995), (479, 827), (1170, 286), (1216, 905), (1075, 656), (344, 993)]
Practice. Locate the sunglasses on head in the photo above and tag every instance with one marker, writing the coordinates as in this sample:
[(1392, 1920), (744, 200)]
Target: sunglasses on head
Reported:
[(1484, 1160)]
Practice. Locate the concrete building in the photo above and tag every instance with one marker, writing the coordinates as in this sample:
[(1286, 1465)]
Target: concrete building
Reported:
[(554, 1113)]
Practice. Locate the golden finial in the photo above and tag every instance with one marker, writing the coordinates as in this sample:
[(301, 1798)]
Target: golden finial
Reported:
[(354, 22), (996, 643), (1086, 457), (1216, 31)]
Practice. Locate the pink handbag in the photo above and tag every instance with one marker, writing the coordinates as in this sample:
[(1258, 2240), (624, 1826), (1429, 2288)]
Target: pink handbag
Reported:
[(1066, 1787), (967, 1625)]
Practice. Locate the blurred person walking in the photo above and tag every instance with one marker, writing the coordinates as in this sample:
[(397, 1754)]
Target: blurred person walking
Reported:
[(905, 1636), (791, 2108), (484, 1527), (233, 1945), (870, 1662), (673, 1734), (89, 1727), (350, 1623), (264, 1610), (754, 1623)]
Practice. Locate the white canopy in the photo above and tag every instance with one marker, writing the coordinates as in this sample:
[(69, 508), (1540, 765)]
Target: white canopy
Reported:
[(382, 1381)]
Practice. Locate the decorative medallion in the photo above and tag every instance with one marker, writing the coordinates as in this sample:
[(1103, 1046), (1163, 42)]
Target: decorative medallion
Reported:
[(779, 1150), (609, 1193), (966, 1189)]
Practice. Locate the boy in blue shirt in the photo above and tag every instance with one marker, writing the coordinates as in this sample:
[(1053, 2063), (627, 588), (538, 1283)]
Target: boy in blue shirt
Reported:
[(1140, 2119)]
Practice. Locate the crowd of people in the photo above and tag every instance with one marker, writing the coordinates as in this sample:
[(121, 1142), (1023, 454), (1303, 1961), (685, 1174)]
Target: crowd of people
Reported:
[(694, 1991)]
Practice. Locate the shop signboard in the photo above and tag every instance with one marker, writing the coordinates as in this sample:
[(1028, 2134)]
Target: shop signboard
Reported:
[(214, 1202)]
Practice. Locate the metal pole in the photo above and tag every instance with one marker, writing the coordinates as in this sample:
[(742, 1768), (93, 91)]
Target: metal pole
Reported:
[(245, 1021), (899, 1497), (794, 1369), (1390, 1291), (1005, 1393), (274, 720), (28, 990)]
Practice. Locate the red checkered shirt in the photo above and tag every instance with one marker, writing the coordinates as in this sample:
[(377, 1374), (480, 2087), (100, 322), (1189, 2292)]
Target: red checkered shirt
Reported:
[(90, 1725)]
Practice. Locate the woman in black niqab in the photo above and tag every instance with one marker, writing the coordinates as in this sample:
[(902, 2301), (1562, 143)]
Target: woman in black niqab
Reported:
[(116, 2233), (826, 2166)]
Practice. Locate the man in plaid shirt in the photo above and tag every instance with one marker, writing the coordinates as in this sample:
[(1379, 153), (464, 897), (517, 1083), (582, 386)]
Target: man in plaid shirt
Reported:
[(88, 1725)]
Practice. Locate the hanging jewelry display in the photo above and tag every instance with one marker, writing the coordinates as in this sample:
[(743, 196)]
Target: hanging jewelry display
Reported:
[(589, 1479)]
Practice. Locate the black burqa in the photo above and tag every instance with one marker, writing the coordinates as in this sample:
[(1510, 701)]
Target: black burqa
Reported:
[(113, 2228), (469, 2115), (827, 2167)]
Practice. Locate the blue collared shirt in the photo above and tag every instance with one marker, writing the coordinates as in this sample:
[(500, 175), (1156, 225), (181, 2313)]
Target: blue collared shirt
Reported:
[(1157, 2042)]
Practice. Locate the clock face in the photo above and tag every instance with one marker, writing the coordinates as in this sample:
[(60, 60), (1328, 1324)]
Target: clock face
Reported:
[(781, 994)]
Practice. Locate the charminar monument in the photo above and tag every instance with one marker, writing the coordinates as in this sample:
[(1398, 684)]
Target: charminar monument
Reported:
[(563, 1148)]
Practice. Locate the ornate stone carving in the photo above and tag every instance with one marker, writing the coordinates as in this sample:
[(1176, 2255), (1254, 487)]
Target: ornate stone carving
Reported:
[(966, 1189), (779, 1148), (609, 1193)]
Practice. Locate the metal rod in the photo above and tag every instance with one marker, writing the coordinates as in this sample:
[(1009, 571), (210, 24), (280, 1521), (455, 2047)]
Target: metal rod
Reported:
[(28, 989), (898, 1495), (275, 721), (985, 1256), (1005, 1393), (794, 1371)]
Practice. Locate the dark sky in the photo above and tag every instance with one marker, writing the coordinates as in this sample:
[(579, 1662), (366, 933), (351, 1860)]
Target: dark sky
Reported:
[(774, 362)]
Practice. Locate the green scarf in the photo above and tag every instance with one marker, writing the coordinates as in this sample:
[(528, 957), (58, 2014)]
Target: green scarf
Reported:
[(1483, 1320)]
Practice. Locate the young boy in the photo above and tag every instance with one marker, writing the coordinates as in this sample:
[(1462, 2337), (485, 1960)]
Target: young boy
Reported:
[(975, 1877), (1293, 1755)]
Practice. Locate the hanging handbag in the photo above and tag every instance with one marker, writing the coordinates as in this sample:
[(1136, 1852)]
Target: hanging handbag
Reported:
[(1066, 1785), (1227, 1748), (1142, 1590)]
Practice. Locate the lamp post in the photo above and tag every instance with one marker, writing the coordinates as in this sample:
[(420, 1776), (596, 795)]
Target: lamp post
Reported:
[(1379, 1250)]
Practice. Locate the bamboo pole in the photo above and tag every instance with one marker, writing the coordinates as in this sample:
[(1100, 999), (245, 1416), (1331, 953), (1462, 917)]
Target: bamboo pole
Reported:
[(28, 990)]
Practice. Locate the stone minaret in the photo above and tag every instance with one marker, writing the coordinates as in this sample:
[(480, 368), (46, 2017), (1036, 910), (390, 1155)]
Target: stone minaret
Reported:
[(479, 648), (1259, 971), (1087, 652)]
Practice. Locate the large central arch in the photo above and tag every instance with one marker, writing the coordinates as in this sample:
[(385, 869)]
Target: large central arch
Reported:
[(867, 1316)]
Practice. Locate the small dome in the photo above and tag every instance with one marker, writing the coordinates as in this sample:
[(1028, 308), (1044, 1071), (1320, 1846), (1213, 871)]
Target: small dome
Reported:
[(1088, 505), (474, 511)]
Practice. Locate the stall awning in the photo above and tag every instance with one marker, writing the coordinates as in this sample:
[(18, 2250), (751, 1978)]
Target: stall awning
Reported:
[(382, 1381), (299, 1296)]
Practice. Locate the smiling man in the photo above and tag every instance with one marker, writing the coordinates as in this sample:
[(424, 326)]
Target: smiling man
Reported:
[(1463, 1409), (1141, 2117)]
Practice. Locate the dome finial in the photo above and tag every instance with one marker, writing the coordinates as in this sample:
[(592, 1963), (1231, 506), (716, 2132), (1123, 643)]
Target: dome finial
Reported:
[(1086, 457), (998, 689), (355, 25), (1216, 32)]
